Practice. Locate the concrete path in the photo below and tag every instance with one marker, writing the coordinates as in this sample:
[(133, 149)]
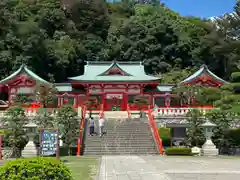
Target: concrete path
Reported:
[(169, 168), (128, 168)]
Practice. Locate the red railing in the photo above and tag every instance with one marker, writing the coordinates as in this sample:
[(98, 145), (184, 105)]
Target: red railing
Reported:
[(84, 110), (128, 111), (154, 130), (137, 107), (101, 113)]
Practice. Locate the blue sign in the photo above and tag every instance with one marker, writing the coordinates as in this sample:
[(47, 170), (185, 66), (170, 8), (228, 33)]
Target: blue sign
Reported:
[(49, 142)]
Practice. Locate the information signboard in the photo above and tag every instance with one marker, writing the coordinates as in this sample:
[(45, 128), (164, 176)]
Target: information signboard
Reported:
[(49, 142)]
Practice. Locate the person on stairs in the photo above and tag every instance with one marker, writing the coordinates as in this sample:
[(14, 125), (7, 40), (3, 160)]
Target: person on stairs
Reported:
[(101, 126), (91, 126)]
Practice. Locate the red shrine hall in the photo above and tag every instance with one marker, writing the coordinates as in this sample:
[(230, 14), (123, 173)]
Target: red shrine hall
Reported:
[(111, 85)]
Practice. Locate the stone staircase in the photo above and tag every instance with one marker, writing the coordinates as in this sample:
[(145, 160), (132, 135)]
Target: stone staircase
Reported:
[(131, 137), (115, 114)]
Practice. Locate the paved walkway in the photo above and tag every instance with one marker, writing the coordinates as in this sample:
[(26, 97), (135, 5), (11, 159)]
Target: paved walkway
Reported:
[(168, 168), (128, 168)]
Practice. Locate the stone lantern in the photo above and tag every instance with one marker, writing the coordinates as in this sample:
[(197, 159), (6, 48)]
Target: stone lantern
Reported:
[(208, 148), (30, 149)]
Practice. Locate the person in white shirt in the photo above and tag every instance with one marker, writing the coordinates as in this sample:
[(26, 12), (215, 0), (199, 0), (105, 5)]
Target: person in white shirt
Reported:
[(101, 126)]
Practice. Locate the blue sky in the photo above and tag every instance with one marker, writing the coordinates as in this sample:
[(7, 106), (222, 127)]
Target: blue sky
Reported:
[(201, 8)]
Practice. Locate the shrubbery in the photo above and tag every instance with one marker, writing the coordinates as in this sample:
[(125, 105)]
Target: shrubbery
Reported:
[(178, 151), (35, 168), (234, 136), (165, 135)]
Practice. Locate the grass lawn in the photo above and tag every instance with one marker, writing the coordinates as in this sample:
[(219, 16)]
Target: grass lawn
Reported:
[(84, 168)]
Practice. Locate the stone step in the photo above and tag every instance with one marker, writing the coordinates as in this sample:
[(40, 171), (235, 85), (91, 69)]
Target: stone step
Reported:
[(121, 153), (123, 125), (151, 146), (94, 148), (116, 146), (124, 128), (97, 144), (129, 130), (116, 114), (120, 145), (118, 152), (124, 132), (122, 150), (123, 135), (127, 145), (143, 141), (114, 140), (107, 132)]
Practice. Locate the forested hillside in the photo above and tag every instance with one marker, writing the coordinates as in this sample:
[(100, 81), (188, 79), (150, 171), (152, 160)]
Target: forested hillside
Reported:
[(55, 37)]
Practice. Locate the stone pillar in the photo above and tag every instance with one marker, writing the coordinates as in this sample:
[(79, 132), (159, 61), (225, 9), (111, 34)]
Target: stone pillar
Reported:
[(30, 149), (208, 148)]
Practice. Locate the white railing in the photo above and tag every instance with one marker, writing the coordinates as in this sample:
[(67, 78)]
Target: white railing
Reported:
[(177, 111), (27, 113), (31, 112)]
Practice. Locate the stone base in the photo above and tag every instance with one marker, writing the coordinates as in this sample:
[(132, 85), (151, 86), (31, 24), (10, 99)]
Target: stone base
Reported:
[(29, 150), (209, 149)]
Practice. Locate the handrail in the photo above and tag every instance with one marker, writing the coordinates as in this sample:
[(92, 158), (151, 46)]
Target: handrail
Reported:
[(128, 111), (101, 111), (155, 132), (84, 110)]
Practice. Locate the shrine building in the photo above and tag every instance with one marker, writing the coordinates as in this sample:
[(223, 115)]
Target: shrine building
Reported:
[(109, 84)]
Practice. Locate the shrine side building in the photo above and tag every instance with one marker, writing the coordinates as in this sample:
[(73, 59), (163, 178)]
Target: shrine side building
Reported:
[(109, 84)]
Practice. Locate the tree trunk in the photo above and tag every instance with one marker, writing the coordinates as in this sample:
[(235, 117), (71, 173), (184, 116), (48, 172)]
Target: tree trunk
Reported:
[(69, 150), (16, 153)]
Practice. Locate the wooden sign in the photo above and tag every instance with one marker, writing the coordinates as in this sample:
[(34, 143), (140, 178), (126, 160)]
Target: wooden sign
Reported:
[(49, 142)]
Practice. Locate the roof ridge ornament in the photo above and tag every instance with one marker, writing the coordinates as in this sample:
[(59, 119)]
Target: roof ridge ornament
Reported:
[(204, 66), (115, 69)]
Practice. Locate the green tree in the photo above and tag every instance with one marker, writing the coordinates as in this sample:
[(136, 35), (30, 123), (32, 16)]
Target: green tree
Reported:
[(175, 76), (195, 133), (224, 121), (45, 120), (208, 95), (188, 95), (230, 98), (68, 119), (16, 136), (90, 16), (141, 102), (45, 93), (58, 36)]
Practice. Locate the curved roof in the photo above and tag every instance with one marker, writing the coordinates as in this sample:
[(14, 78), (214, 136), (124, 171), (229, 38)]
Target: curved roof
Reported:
[(203, 70), (131, 71), (23, 69)]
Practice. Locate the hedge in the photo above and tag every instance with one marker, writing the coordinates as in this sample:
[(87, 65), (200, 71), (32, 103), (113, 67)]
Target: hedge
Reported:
[(234, 136), (165, 134), (178, 151), (35, 168)]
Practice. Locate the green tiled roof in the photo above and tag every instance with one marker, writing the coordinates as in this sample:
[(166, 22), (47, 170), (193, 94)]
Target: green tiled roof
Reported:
[(133, 71), (63, 87), (23, 69), (203, 70)]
